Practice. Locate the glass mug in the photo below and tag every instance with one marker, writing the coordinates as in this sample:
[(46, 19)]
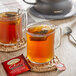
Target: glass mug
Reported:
[(11, 25), (40, 42)]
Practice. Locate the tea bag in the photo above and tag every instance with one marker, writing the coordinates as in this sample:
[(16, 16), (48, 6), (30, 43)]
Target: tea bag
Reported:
[(10, 14), (42, 30), (12, 17), (38, 38)]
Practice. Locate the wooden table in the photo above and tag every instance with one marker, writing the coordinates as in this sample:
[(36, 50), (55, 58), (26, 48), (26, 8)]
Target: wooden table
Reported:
[(66, 53)]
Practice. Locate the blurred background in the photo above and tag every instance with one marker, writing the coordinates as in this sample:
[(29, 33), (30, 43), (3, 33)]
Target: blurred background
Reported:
[(16, 3)]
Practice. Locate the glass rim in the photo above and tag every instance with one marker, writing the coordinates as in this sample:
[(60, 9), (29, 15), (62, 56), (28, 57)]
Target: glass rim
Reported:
[(20, 14), (36, 35)]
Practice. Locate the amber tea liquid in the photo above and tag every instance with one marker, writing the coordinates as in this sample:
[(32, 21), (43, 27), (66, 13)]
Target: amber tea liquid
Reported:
[(10, 27), (40, 43)]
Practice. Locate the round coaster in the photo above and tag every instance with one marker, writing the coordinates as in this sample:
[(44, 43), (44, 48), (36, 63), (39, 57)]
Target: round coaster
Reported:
[(21, 44), (50, 66)]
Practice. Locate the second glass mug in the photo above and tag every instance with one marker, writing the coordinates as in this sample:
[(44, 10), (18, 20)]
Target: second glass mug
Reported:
[(11, 25), (40, 41)]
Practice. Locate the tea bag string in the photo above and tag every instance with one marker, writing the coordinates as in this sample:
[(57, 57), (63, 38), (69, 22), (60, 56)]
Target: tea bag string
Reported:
[(18, 11)]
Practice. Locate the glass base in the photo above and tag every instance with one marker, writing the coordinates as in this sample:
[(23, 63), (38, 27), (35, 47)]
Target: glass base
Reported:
[(10, 44), (38, 62), (13, 47), (43, 67)]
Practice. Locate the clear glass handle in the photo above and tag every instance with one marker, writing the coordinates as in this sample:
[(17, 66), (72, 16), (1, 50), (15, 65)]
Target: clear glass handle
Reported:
[(60, 34)]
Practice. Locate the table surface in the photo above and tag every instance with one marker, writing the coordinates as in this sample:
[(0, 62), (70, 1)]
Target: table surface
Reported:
[(66, 53)]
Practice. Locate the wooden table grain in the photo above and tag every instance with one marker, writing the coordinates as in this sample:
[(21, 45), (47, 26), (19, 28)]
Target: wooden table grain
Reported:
[(66, 53)]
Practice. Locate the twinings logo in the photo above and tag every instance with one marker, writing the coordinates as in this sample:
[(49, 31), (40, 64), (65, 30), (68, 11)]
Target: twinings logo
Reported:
[(14, 61)]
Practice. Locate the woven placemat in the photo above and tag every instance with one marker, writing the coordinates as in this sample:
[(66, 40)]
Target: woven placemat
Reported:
[(21, 44), (50, 66)]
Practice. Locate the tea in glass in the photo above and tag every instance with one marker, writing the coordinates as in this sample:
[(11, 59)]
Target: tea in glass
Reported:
[(10, 27), (40, 43)]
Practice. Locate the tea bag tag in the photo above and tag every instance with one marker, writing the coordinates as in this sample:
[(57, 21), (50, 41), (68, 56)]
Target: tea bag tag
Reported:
[(60, 66)]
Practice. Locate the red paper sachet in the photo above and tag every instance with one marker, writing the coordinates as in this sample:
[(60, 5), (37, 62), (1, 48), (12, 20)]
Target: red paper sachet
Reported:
[(16, 66)]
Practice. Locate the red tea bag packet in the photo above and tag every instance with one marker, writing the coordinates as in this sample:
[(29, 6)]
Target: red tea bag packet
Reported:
[(16, 66)]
